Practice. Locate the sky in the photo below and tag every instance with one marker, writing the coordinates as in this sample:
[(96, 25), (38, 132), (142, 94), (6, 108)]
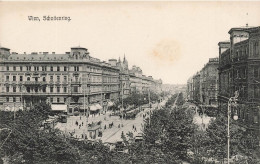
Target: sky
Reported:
[(167, 40)]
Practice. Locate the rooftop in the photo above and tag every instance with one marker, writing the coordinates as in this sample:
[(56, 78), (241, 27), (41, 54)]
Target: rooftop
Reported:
[(242, 28)]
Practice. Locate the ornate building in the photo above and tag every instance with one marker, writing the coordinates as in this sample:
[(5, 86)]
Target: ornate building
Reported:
[(209, 83), (74, 79), (143, 84), (124, 78), (239, 70)]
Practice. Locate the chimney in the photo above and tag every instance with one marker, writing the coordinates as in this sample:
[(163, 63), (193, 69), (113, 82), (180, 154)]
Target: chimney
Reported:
[(67, 52), (24, 53), (53, 52), (45, 53)]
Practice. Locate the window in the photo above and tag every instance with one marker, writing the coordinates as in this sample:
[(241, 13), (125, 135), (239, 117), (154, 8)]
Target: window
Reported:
[(76, 68), (256, 91), (65, 99), (14, 89), (58, 78), (65, 78), (65, 68), (51, 68), (58, 100), (44, 68), (44, 79), (36, 68), (75, 89), (51, 100), (51, 78), (256, 71), (14, 68), (7, 68), (44, 89), (7, 99), (28, 78), (28, 68), (14, 99), (36, 79), (65, 89), (20, 89), (7, 78), (58, 89), (21, 78), (58, 68), (51, 89), (256, 51), (14, 78), (36, 89), (7, 89), (28, 89)]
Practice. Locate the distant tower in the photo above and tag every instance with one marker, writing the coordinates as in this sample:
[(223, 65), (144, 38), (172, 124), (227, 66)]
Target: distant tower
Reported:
[(125, 63)]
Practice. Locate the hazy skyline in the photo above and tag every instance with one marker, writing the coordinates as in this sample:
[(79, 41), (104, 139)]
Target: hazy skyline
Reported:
[(167, 40)]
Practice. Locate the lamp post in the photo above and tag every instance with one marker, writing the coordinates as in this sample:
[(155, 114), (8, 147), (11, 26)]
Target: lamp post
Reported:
[(230, 101)]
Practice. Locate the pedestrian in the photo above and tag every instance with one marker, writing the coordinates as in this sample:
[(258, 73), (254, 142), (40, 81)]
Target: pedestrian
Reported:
[(105, 127), (118, 125), (133, 126), (82, 123)]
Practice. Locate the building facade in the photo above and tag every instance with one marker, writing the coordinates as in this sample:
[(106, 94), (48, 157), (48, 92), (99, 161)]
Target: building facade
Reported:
[(74, 79), (239, 70), (209, 83), (143, 84)]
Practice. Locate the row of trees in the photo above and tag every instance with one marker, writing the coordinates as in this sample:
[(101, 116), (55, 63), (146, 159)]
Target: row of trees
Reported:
[(137, 99), (212, 143)]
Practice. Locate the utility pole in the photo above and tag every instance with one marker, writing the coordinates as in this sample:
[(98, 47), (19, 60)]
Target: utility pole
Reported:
[(149, 97), (122, 95)]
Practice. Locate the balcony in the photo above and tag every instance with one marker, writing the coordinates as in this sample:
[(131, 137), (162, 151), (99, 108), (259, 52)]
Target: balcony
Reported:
[(35, 83), (75, 83)]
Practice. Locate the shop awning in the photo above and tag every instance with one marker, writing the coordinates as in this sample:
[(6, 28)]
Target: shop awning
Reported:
[(110, 103), (93, 107), (59, 108), (98, 106)]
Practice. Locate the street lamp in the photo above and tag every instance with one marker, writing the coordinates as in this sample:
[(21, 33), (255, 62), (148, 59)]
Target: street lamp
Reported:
[(230, 101)]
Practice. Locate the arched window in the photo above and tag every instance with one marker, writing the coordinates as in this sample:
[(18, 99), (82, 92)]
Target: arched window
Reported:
[(28, 78)]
